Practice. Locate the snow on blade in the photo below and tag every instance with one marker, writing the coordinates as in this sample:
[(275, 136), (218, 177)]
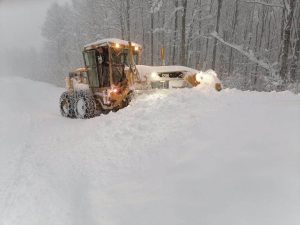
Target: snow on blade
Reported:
[(208, 78), (112, 41)]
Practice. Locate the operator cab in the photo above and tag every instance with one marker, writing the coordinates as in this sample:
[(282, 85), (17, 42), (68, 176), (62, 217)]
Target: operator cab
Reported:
[(106, 60)]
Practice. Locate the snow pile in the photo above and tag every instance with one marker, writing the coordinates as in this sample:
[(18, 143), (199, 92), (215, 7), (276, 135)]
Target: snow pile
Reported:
[(208, 78), (191, 156)]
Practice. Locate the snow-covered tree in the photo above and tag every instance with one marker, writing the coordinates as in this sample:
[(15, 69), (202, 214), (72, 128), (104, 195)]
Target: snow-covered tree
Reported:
[(251, 40)]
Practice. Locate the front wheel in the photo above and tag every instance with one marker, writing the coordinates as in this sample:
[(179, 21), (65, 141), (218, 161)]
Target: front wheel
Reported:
[(66, 104), (85, 105)]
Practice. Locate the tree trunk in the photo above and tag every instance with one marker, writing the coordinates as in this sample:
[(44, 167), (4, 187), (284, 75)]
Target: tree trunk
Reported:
[(152, 38), (286, 40), (249, 37), (128, 19), (207, 40), (198, 47), (143, 27), (296, 55), (260, 40), (190, 34), (269, 33), (183, 34), (121, 17), (281, 31), (235, 20), (164, 35), (217, 30), (175, 34)]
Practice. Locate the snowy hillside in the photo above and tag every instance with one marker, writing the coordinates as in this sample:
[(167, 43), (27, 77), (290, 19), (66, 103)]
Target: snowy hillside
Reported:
[(184, 157)]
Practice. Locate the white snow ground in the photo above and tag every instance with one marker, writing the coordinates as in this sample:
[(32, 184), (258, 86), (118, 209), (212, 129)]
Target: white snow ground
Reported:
[(184, 157)]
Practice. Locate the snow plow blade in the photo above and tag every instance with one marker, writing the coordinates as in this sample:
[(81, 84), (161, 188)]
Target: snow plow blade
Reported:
[(208, 78)]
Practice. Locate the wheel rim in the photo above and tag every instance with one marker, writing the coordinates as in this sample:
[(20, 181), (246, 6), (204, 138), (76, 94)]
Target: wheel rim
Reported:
[(65, 107), (81, 107)]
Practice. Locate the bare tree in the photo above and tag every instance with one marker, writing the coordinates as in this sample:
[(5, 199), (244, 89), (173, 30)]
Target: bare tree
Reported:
[(289, 7), (175, 33), (296, 55), (128, 19), (217, 30), (152, 38), (234, 22), (183, 34)]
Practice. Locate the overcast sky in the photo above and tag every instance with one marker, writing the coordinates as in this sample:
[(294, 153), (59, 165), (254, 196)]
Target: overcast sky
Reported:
[(21, 22)]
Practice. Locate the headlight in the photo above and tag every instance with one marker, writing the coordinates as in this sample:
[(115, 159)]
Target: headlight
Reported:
[(154, 76), (115, 90)]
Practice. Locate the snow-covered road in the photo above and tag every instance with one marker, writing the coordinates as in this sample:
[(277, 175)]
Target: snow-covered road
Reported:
[(184, 157)]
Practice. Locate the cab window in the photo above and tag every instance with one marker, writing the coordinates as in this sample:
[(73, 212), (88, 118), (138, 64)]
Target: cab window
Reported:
[(91, 63)]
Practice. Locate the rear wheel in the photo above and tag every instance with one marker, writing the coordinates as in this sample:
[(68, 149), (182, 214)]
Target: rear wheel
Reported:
[(66, 104), (85, 105)]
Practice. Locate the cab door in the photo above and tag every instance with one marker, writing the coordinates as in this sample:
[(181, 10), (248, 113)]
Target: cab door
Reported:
[(91, 64)]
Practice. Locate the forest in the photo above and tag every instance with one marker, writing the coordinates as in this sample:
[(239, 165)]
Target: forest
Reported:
[(251, 44)]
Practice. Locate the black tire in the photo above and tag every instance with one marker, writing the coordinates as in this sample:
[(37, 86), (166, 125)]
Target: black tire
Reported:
[(85, 105), (101, 109), (128, 99), (66, 104), (115, 109), (105, 112)]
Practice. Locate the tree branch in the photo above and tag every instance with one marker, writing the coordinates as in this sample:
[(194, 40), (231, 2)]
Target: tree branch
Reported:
[(249, 55), (265, 3)]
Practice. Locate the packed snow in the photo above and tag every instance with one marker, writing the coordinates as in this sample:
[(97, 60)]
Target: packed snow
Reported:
[(189, 156)]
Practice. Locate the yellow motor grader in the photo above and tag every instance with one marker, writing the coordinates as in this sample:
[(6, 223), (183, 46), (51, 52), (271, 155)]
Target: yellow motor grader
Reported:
[(105, 83), (110, 77)]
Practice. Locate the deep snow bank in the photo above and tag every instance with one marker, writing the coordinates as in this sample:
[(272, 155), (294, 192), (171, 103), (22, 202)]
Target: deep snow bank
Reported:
[(190, 156)]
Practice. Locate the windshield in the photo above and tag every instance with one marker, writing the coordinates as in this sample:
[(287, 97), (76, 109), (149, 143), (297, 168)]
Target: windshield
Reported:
[(121, 57)]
